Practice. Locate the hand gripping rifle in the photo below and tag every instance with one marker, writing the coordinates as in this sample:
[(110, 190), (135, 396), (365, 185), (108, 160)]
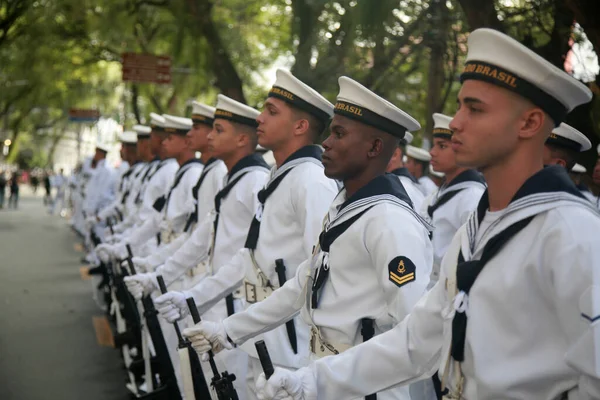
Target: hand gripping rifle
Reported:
[(223, 383), (169, 388), (194, 384)]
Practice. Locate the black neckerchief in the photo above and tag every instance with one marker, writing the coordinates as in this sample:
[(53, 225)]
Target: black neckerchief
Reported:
[(550, 179), (254, 231)]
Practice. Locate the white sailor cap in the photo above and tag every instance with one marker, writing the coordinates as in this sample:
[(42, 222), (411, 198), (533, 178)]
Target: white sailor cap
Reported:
[(566, 136), (142, 131), (357, 102), (233, 110), (418, 153), (496, 58), (177, 125), (441, 126), (407, 139), (157, 122), (105, 147), (295, 92), (128, 137), (202, 113), (578, 169), (435, 173)]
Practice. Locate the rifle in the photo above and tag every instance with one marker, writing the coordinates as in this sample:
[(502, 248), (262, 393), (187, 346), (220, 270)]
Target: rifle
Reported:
[(265, 359), (223, 383), (289, 325), (169, 388), (194, 384)]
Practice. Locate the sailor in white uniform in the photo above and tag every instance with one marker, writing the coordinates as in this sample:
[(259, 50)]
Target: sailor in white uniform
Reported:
[(417, 162), (128, 141), (577, 172), (563, 147), (288, 221), (129, 207), (204, 191), (157, 176), (372, 260), (517, 317), (172, 209), (449, 207), (223, 231), (410, 183)]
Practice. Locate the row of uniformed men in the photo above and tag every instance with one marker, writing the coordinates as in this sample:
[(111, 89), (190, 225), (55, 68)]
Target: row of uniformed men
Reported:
[(313, 288)]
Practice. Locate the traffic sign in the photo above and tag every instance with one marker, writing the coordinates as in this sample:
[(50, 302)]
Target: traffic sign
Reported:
[(83, 115), (146, 68)]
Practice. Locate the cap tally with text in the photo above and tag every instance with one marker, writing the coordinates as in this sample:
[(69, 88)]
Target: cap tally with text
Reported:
[(235, 111), (103, 146), (202, 113), (568, 137), (498, 59), (578, 169), (128, 137), (418, 153), (177, 125), (359, 103), (295, 92), (441, 126), (142, 131), (157, 122)]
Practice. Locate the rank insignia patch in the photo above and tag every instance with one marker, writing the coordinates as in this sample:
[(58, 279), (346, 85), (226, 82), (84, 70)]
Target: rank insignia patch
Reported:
[(401, 271)]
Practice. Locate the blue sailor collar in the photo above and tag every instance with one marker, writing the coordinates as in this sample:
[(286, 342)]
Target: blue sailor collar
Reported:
[(550, 179), (404, 172), (469, 175), (382, 184), (311, 150), (251, 160)]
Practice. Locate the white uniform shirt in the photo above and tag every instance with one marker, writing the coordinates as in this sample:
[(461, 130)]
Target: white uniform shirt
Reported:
[(427, 185), (99, 190), (177, 204), (411, 186), (291, 221), (234, 217), (533, 311), (447, 216), (363, 263)]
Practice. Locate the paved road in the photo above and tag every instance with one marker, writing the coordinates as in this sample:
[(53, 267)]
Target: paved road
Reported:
[(48, 347)]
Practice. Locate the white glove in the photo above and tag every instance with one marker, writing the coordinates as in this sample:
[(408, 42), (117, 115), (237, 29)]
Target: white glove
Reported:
[(141, 284), (142, 264), (172, 306), (206, 336), (119, 251), (287, 385), (104, 252), (90, 222)]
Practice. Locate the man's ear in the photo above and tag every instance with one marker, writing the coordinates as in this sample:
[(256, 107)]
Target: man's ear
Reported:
[(376, 147), (531, 123), (301, 127)]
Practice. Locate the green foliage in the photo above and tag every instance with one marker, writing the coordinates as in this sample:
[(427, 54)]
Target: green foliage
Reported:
[(58, 54)]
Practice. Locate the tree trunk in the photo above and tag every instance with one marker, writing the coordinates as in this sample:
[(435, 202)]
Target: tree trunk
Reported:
[(481, 14), (436, 77), (134, 103), (228, 80)]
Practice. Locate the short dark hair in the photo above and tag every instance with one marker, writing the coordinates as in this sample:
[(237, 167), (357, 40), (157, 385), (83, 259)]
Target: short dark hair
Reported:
[(248, 130), (316, 125), (569, 156)]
